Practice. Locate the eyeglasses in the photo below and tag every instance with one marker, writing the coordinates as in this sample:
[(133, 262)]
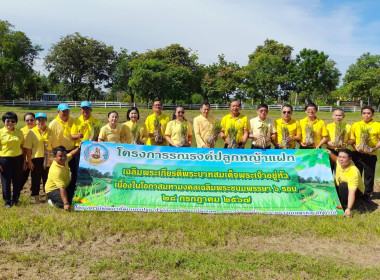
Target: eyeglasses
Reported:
[(286, 112), (11, 121), (180, 112), (30, 120)]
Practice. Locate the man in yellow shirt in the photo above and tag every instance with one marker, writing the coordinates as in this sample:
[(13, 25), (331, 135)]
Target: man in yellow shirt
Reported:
[(366, 159), (238, 121), (319, 135), (293, 127), (82, 126), (256, 128), (203, 126), (59, 178), (150, 125), (347, 179)]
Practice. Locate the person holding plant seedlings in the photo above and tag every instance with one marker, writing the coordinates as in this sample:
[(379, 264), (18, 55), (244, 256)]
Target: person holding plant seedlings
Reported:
[(179, 131), (262, 129), (339, 134), (156, 125), (348, 181), (111, 131), (138, 134), (365, 136), (30, 122), (288, 129), (86, 127), (206, 129), (235, 127), (313, 130)]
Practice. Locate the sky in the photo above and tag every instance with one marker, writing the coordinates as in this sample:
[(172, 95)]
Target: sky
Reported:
[(342, 29)]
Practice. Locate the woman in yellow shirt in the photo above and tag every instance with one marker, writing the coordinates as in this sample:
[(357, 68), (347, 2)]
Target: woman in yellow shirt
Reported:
[(111, 131), (138, 131), (30, 122), (179, 132), (11, 159)]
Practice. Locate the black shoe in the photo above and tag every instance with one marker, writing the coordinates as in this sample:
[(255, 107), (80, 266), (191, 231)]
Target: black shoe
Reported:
[(366, 198)]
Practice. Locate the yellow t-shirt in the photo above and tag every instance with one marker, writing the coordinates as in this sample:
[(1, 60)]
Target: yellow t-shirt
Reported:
[(11, 142), (141, 128), (331, 131), (125, 134), (25, 131), (255, 127), (319, 130), (36, 140), (374, 133), (350, 175), (240, 122), (203, 129), (149, 123), (84, 127), (107, 134), (59, 176), (174, 130), (61, 133), (294, 129)]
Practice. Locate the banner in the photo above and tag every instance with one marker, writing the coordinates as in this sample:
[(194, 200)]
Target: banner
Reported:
[(121, 177)]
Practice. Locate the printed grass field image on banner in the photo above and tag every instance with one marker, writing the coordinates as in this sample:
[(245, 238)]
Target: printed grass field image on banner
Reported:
[(120, 177)]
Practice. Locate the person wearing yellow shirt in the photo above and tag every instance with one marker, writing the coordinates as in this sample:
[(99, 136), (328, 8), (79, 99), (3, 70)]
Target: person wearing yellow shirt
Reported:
[(111, 131), (293, 127), (366, 160), (59, 178), (319, 128), (239, 122), (348, 180), (38, 145), (11, 159), (256, 130), (82, 126), (156, 138), (338, 117), (203, 126), (175, 134), (30, 122), (133, 131)]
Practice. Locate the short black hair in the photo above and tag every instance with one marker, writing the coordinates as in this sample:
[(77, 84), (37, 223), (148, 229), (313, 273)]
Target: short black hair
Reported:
[(262, 106), (10, 116), (205, 104), (369, 108), (338, 109), (112, 113), (235, 100), (311, 105), (287, 105), (29, 114), (346, 151), (155, 100), (59, 149), (130, 110)]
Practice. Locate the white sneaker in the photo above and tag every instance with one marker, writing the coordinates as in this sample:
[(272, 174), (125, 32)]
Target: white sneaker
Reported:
[(50, 202)]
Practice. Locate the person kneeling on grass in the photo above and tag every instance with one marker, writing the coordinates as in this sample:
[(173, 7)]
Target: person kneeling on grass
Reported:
[(59, 178), (348, 181)]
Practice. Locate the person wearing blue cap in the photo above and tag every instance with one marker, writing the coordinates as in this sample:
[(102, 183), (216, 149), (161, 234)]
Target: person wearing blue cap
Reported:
[(83, 126), (39, 154)]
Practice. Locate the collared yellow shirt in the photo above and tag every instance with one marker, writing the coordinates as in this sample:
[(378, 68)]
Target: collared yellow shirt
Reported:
[(84, 127), (61, 133), (350, 175), (294, 129), (107, 134), (35, 140), (141, 128), (11, 142), (255, 127), (25, 131), (174, 130), (331, 131), (149, 123), (59, 176), (319, 130), (203, 129), (374, 133), (240, 122)]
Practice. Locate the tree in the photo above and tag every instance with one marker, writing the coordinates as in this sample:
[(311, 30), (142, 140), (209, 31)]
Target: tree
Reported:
[(83, 64), (312, 73), (17, 54), (362, 79)]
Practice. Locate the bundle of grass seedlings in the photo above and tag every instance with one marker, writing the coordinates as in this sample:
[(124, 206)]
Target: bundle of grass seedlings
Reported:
[(309, 133), (285, 134), (364, 140), (232, 134), (157, 131), (135, 135), (340, 131), (262, 141), (211, 140), (95, 130), (183, 142)]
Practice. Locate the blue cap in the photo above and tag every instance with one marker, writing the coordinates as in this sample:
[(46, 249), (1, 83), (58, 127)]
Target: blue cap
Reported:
[(63, 106), (40, 115), (85, 104)]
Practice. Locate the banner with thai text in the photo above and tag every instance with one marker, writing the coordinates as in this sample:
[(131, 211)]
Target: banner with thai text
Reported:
[(121, 177)]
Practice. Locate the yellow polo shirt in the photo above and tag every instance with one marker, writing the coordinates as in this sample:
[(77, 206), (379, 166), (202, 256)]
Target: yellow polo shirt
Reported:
[(125, 134), (331, 131), (294, 129), (36, 139), (350, 175), (25, 131), (149, 123), (374, 133), (61, 133), (203, 129), (140, 127), (174, 130), (84, 127), (240, 122), (59, 176), (107, 134), (319, 130), (11, 142), (255, 127)]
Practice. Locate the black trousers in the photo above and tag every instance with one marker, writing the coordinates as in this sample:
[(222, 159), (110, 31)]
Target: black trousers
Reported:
[(73, 164), (333, 163), (342, 191), (38, 173), (25, 175), (367, 163), (12, 170), (55, 197)]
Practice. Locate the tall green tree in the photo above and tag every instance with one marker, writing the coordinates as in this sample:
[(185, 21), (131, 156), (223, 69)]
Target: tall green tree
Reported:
[(17, 54), (83, 64), (362, 79)]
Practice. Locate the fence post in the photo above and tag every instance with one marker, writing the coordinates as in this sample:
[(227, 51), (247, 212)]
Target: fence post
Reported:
[(13, 102), (105, 104), (120, 105)]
